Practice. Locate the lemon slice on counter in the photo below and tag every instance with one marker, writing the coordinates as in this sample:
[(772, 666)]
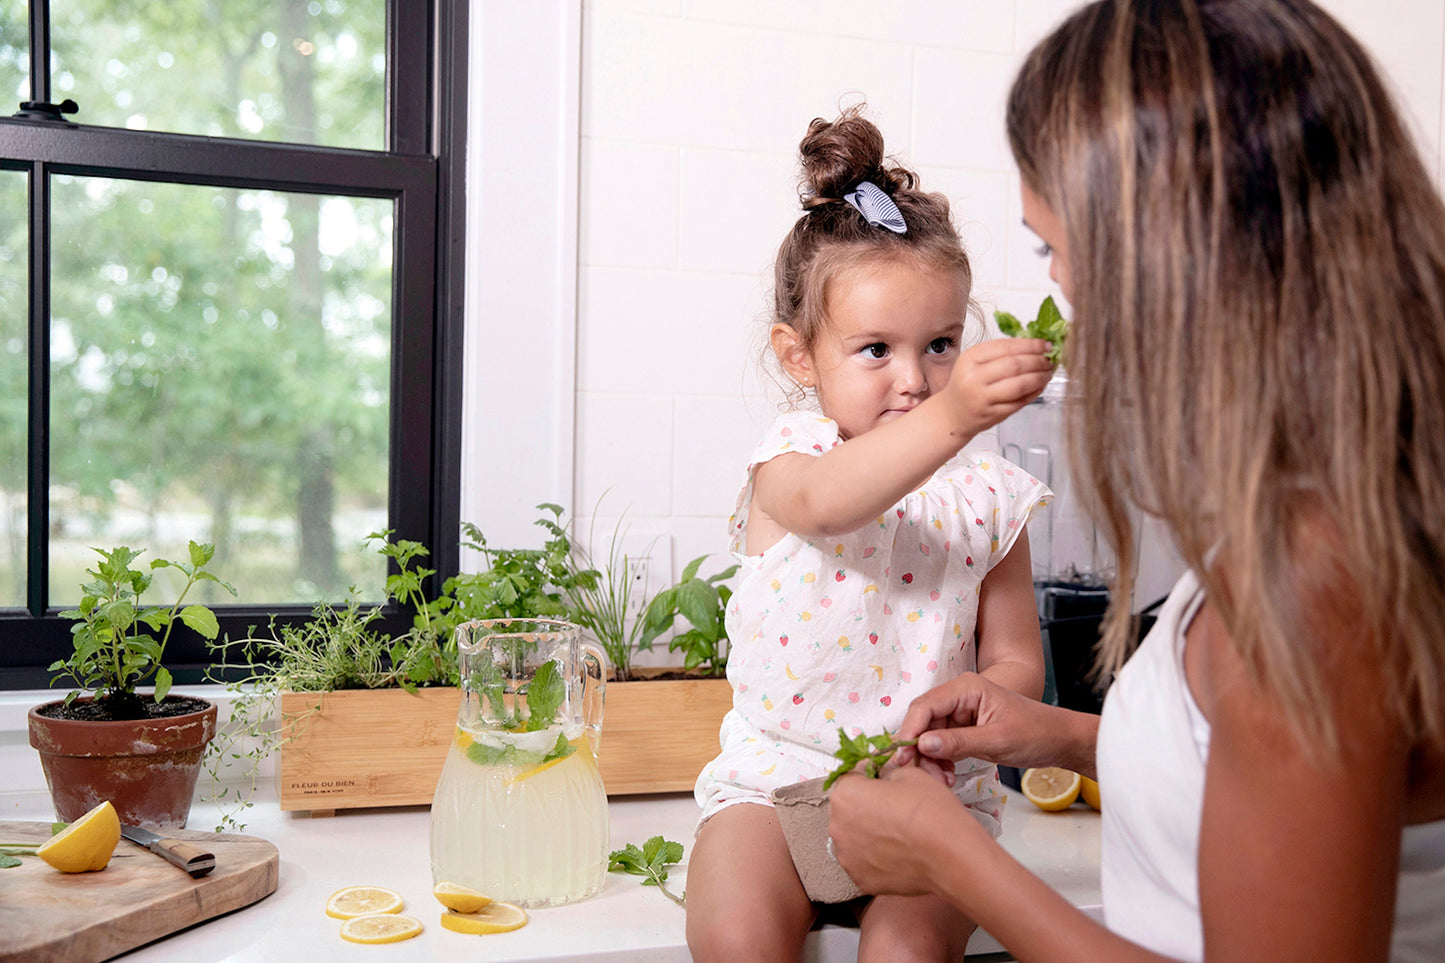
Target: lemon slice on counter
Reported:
[(463, 899), (495, 917), (1051, 788), (353, 901), (1089, 793), (380, 928), (85, 845)]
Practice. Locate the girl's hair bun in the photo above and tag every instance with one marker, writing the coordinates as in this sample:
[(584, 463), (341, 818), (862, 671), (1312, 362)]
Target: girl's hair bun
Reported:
[(838, 155)]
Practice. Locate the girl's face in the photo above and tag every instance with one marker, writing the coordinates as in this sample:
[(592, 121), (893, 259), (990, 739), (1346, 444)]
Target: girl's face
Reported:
[(890, 341), (1040, 219)]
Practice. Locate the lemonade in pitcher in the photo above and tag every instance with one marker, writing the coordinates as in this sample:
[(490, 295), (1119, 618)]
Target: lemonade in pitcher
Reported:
[(520, 812)]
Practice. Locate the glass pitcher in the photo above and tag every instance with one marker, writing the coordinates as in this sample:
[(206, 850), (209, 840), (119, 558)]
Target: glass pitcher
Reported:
[(520, 812)]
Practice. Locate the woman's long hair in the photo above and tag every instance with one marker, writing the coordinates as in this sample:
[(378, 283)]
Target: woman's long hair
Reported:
[(1258, 349)]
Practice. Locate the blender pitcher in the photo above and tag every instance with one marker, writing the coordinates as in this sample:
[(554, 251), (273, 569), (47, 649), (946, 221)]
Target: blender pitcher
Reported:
[(520, 812), (1072, 563)]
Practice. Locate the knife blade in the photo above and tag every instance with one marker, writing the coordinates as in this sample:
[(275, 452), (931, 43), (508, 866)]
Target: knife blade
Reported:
[(192, 859)]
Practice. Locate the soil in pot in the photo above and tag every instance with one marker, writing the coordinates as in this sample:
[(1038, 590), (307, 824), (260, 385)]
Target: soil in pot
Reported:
[(147, 768), (803, 814), (135, 707)]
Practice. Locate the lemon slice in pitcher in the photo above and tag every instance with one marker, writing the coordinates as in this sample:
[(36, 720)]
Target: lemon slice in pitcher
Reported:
[(85, 845)]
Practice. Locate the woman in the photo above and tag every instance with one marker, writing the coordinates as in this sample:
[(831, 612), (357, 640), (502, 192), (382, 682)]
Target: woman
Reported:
[(1255, 256)]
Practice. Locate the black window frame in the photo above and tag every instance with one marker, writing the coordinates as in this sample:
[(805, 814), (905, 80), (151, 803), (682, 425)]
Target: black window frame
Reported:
[(422, 170)]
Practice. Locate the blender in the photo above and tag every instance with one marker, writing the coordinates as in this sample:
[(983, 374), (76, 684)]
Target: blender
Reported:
[(1072, 563)]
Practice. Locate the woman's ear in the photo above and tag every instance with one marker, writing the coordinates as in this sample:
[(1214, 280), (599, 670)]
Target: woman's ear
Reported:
[(792, 355)]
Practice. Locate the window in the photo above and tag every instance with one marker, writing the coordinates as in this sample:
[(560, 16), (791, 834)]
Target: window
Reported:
[(230, 290)]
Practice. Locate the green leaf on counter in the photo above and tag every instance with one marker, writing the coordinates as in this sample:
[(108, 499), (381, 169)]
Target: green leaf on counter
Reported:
[(649, 862)]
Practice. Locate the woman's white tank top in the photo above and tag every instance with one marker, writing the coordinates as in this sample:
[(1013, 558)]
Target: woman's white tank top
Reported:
[(1152, 749)]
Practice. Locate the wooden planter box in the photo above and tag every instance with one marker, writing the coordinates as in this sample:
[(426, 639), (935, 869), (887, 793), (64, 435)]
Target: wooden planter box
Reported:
[(385, 747)]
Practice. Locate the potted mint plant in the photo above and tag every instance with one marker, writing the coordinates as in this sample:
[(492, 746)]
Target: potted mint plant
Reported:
[(140, 751)]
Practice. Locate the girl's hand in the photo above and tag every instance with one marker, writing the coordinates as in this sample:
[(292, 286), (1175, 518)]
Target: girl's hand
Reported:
[(992, 380), (884, 831), (970, 716)]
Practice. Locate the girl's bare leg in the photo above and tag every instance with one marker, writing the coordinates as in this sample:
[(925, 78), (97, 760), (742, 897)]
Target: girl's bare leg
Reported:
[(744, 898), (898, 928)]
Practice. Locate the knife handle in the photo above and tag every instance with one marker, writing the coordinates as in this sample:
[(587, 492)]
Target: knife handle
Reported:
[(192, 859)]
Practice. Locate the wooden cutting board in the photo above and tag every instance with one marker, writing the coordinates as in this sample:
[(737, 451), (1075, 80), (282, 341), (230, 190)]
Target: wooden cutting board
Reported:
[(47, 915)]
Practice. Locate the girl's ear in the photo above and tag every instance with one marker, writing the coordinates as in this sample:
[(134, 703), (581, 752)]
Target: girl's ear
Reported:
[(792, 355)]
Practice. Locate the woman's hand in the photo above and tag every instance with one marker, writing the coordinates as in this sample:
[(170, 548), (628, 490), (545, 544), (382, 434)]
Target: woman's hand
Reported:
[(885, 831), (970, 716)]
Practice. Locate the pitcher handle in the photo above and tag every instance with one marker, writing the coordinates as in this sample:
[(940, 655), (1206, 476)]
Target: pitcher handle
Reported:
[(594, 693)]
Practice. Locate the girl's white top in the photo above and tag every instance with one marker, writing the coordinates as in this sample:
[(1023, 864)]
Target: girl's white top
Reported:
[(1152, 750), (843, 631)]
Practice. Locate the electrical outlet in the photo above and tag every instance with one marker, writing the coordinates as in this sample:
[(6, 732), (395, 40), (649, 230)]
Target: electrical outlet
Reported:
[(649, 567), (638, 577)]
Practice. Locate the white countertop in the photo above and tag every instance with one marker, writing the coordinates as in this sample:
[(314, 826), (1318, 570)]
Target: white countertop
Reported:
[(627, 921)]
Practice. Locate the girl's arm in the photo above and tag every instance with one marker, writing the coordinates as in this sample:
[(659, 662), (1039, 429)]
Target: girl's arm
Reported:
[(1010, 650), (860, 479)]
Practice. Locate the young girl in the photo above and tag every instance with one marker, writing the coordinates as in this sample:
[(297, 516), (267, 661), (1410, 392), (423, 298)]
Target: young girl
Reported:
[(877, 561), (1255, 256)]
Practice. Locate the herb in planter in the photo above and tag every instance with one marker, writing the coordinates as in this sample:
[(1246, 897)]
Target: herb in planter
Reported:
[(649, 862), (518, 583), (703, 603), (1049, 325), (603, 596), (869, 751), (115, 636)]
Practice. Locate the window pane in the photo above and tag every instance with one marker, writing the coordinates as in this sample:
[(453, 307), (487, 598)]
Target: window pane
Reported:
[(220, 368), (14, 55), (14, 365), (300, 71)]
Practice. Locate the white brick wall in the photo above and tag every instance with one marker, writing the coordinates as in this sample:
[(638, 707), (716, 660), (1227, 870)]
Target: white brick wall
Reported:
[(689, 115)]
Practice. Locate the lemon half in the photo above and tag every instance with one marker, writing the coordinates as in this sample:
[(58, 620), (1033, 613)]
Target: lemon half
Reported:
[(85, 845), (354, 901), (463, 899), (1089, 793), (495, 917), (380, 928), (1051, 788)]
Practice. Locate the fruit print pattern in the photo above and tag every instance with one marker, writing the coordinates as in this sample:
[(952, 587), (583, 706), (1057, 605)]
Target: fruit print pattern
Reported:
[(851, 628)]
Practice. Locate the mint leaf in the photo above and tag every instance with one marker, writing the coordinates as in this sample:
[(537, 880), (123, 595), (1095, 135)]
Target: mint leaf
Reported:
[(870, 751), (8, 862), (649, 862), (1050, 325), (1009, 324), (544, 696), (561, 749)]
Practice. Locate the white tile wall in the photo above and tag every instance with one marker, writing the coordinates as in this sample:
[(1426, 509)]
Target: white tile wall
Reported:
[(691, 111)]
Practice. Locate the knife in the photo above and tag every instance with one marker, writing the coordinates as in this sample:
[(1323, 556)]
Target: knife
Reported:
[(192, 859)]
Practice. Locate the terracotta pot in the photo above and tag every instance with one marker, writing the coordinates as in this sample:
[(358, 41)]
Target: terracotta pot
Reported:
[(147, 768), (802, 810)]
